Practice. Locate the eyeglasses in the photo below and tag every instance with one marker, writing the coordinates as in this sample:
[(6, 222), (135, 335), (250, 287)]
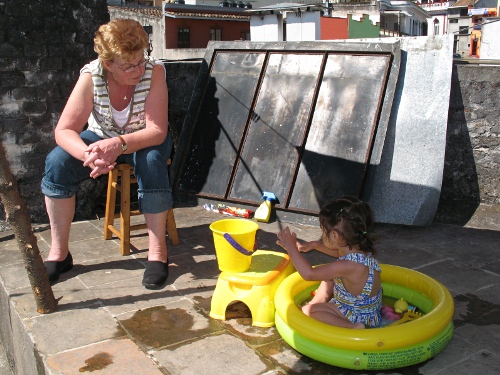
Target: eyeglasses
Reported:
[(129, 68)]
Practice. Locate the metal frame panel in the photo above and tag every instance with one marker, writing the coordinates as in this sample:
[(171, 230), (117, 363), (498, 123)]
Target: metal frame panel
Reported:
[(304, 120)]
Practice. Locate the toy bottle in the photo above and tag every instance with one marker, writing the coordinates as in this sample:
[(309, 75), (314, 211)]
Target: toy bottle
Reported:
[(263, 213)]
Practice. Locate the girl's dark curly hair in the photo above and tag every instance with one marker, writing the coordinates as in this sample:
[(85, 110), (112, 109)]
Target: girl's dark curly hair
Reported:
[(352, 219)]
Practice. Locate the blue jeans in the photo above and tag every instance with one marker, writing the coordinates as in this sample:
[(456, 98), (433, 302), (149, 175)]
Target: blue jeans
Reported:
[(63, 173)]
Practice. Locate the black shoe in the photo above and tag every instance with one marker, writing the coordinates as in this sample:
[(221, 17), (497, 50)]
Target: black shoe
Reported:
[(55, 268), (155, 275)]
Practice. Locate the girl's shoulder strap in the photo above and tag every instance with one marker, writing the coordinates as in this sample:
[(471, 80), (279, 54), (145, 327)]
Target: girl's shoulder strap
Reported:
[(366, 260)]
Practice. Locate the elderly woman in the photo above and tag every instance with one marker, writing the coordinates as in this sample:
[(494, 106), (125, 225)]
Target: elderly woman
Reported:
[(123, 98)]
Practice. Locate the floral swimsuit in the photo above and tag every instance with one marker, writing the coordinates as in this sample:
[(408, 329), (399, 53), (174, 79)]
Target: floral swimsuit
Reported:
[(361, 308)]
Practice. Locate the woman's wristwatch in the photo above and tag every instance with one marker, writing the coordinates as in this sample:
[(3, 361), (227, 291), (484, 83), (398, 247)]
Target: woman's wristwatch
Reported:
[(124, 144)]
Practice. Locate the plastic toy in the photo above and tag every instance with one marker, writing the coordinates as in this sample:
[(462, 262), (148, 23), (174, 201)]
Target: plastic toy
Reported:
[(234, 241), (263, 213), (234, 211), (255, 287), (389, 313), (376, 348), (400, 306), (407, 317)]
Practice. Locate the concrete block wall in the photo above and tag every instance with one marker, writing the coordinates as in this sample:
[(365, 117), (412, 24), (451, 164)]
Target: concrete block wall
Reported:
[(43, 45), (472, 158)]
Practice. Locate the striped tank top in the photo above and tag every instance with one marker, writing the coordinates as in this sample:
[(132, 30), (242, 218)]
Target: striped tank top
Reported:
[(101, 119)]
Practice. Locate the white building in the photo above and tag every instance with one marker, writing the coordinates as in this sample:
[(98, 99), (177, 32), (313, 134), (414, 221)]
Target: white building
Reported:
[(459, 24), (490, 39), (247, 4), (438, 10), (298, 22), (404, 18)]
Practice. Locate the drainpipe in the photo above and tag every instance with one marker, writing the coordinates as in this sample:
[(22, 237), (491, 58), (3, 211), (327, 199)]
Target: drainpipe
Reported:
[(399, 23)]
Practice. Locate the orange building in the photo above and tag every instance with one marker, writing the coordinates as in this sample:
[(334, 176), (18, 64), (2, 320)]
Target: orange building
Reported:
[(478, 17), (334, 28)]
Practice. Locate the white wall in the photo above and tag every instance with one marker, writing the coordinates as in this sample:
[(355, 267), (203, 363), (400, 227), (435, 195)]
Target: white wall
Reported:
[(255, 3), (302, 27), (374, 16), (266, 28), (443, 24), (490, 40)]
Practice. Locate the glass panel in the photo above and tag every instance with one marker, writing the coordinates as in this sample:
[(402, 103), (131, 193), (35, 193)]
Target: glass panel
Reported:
[(278, 127), (342, 130), (219, 131)]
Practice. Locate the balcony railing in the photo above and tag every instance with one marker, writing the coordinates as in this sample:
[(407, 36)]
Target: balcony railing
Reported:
[(385, 32)]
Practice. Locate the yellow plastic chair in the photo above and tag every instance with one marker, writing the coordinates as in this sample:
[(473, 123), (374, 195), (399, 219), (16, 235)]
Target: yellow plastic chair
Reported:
[(255, 287)]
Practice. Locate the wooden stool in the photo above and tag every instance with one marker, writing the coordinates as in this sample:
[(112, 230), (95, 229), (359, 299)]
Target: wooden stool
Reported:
[(119, 179)]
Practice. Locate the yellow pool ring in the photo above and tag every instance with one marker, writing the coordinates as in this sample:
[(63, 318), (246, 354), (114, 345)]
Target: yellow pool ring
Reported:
[(376, 348)]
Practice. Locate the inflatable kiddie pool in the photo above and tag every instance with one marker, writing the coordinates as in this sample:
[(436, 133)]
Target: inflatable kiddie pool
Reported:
[(374, 348)]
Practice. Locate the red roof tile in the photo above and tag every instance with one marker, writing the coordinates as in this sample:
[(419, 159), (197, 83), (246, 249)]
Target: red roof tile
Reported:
[(150, 11), (157, 12), (464, 3)]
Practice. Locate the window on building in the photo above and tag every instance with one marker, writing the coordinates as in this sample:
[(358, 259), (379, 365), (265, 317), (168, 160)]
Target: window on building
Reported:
[(183, 37), (245, 35), (454, 21), (215, 34), (396, 26), (436, 27), (463, 30), (464, 12)]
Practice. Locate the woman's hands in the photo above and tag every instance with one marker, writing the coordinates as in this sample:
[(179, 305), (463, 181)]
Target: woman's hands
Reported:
[(101, 156)]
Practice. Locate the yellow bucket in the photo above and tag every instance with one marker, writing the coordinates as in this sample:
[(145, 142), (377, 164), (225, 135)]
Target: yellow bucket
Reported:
[(234, 241)]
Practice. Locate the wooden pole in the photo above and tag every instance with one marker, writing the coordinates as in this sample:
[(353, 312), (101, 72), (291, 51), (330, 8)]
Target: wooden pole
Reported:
[(19, 219)]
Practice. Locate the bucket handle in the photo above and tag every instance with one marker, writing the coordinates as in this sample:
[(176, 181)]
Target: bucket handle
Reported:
[(236, 245)]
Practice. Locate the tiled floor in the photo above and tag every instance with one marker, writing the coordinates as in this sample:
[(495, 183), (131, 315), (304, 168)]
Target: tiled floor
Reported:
[(107, 323)]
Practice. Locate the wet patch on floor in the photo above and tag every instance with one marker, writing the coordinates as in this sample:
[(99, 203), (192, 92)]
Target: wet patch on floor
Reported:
[(239, 321), (203, 303), (471, 309), (160, 326), (240, 312), (294, 362), (97, 362), (120, 356), (213, 355)]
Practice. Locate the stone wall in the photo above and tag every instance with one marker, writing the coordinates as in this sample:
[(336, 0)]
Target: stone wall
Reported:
[(472, 158), (43, 44)]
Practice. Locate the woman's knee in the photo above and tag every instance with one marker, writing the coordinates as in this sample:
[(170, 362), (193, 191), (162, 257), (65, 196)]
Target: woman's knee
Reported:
[(155, 156)]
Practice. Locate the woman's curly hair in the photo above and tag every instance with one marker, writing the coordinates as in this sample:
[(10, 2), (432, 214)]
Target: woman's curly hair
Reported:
[(120, 37)]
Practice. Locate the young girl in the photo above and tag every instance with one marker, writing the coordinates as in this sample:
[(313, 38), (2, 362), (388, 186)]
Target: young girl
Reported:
[(350, 293)]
